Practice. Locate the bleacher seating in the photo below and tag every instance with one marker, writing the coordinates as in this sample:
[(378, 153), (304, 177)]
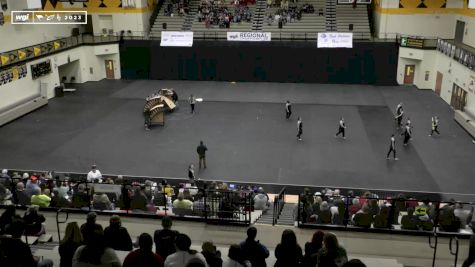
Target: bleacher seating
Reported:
[(358, 16), (173, 23)]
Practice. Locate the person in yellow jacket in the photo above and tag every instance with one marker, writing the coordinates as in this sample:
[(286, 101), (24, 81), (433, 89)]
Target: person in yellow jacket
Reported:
[(41, 199)]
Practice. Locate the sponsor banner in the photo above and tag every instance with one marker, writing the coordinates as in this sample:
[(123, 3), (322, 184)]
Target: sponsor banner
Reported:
[(335, 40), (177, 39), (249, 36)]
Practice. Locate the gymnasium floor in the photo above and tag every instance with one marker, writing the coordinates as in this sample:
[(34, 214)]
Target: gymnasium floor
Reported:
[(248, 137)]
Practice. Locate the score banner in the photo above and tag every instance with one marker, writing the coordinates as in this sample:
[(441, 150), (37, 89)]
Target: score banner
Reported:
[(335, 40), (184, 39), (49, 17)]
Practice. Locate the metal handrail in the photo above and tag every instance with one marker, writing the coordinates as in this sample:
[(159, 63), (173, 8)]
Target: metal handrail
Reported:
[(279, 201), (58, 222), (434, 247), (456, 253)]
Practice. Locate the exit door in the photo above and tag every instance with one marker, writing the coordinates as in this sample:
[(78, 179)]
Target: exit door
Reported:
[(438, 83), (409, 74), (459, 31), (459, 98), (109, 69)]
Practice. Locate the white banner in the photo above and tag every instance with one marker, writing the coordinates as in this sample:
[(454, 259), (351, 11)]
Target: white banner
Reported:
[(335, 39), (177, 39), (249, 36)]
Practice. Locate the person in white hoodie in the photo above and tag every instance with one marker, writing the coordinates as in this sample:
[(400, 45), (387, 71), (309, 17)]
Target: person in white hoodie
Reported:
[(261, 200), (183, 253), (236, 257)]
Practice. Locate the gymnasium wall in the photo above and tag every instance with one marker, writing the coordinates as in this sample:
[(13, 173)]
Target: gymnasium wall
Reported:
[(87, 57), (366, 63), (434, 18)]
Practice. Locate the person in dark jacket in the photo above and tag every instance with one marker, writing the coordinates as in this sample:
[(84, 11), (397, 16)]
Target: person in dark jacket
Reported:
[(201, 150), (212, 256), (34, 222), (165, 239), (143, 256), (288, 252), (254, 251), (71, 241), (90, 226), (312, 248), (116, 236), (23, 199), (6, 219), (81, 198)]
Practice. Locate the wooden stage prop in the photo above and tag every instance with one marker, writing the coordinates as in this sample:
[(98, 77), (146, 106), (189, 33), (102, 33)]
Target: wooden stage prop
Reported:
[(157, 104)]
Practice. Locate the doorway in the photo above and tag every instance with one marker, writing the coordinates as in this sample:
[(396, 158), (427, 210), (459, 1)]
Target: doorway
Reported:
[(459, 98), (459, 31), (409, 74), (438, 83), (109, 69)]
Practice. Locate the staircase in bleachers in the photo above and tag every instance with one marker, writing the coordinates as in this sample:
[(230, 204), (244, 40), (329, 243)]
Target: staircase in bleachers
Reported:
[(259, 15), (191, 16), (353, 19), (330, 15)]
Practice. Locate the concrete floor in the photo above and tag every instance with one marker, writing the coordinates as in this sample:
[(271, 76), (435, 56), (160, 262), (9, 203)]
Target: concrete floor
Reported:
[(248, 138)]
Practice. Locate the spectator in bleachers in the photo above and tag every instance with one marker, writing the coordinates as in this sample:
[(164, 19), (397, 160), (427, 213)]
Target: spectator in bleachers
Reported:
[(187, 194), (165, 238), (312, 248), (71, 241), (31, 184), (95, 252), (254, 251), (117, 236), (6, 219), (5, 179), (143, 256), (325, 216), (447, 220), (354, 263), (471, 249), (382, 219), (362, 218), (58, 200), (182, 203), (5, 195), (288, 251), (261, 200), (373, 207), (100, 201), (94, 175), (332, 254), (355, 207), (212, 256), (337, 211), (81, 198), (236, 257), (88, 228), (464, 215), (15, 252), (62, 188), (139, 200), (22, 196), (34, 221), (409, 221), (183, 253)]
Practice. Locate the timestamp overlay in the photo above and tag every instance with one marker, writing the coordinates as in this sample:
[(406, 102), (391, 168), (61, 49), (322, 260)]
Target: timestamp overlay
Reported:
[(49, 17)]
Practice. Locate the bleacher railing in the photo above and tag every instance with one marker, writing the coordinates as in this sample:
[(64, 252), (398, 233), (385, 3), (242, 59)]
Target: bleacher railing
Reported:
[(279, 201)]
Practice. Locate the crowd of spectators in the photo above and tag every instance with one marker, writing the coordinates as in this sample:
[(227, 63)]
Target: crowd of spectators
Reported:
[(177, 7), (369, 210), (286, 14), (215, 13)]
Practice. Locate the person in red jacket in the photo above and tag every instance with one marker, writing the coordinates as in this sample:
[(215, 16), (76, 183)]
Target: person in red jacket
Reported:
[(143, 256)]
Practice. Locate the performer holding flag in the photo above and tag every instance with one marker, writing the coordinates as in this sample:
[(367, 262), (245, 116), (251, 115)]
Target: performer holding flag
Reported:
[(341, 128), (435, 126)]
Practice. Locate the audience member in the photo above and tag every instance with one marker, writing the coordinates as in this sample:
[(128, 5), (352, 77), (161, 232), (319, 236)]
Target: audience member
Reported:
[(165, 239), (58, 200), (143, 256), (39, 198), (6, 219), (117, 236), (236, 258), (139, 200), (5, 195), (354, 263), (332, 254), (325, 216), (34, 222), (253, 250), (362, 218), (382, 219), (31, 184), (95, 252), (464, 215), (312, 248), (471, 249), (5, 179), (182, 203), (81, 198), (100, 201), (409, 221), (261, 200), (94, 175), (447, 220), (15, 252), (71, 241), (23, 198), (288, 251), (212, 256), (183, 253), (90, 226)]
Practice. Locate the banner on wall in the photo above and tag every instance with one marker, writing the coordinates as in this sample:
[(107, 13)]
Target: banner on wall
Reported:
[(249, 36), (183, 39), (335, 40)]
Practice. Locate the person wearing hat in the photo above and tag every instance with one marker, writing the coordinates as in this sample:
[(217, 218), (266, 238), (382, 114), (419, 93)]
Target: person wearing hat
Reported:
[(212, 256), (94, 175), (32, 184), (471, 249)]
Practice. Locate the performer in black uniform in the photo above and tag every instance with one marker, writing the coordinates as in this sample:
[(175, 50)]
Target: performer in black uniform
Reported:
[(192, 101), (288, 109), (435, 126), (146, 115), (399, 114), (407, 134), (341, 128), (299, 128), (392, 148)]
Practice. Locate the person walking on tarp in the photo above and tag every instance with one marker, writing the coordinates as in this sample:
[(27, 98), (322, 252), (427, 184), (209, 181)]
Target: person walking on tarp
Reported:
[(191, 172), (192, 101), (341, 128), (288, 109), (399, 114), (435, 126), (201, 149), (392, 147), (407, 134), (299, 129)]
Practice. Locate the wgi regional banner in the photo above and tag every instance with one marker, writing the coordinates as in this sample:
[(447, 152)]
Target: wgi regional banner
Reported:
[(249, 36), (177, 39), (335, 39)]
